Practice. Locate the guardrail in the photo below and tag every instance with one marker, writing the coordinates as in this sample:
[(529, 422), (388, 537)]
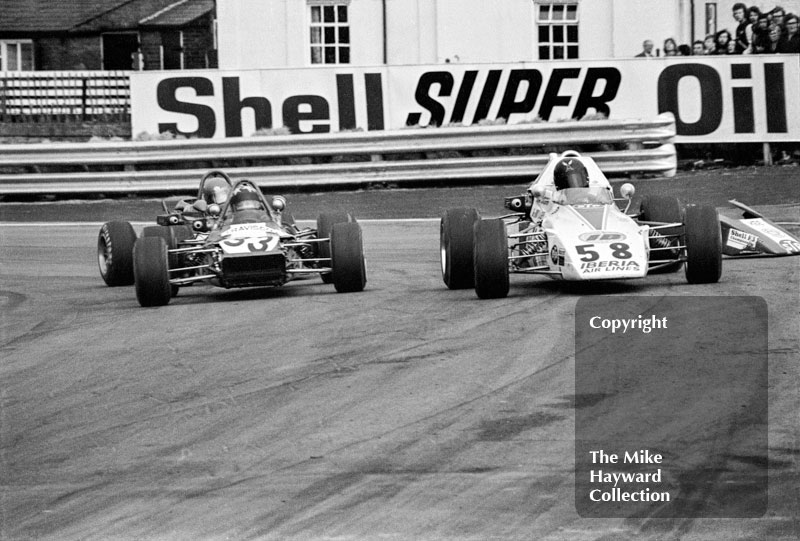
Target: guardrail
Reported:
[(450, 154)]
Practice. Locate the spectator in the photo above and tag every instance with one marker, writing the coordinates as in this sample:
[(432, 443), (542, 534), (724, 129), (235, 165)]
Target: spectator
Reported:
[(790, 39), (697, 48), (710, 44), (685, 50), (778, 14), (753, 14), (760, 39), (741, 43), (774, 38), (670, 47), (647, 49), (722, 41)]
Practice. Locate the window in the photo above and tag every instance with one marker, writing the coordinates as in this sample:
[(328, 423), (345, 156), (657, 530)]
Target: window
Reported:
[(557, 30), (329, 33), (119, 50), (711, 18), (16, 55), (172, 50)]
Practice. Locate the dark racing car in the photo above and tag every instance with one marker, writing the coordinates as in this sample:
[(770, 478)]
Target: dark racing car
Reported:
[(250, 244)]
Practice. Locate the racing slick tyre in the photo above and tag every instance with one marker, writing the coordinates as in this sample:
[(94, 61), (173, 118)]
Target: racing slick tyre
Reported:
[(662, 208), (173, 235), (703, 245), (347, 258), (115, 253), (325, 224), (455, 247), (151, 270), (491, 259)]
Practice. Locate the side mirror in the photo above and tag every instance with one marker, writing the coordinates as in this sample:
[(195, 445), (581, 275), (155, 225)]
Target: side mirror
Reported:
[(627, 190), (278, 203), (537, 191), (200, 205)]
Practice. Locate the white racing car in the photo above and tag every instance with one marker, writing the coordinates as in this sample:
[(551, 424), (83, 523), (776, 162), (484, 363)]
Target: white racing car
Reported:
[(567, 225)]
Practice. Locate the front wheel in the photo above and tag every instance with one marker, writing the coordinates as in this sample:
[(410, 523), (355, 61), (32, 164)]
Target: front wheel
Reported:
[(455, 247), (703, 245), (151, 270), (347, 258), (491, 259), (325, 223), (173, 235), (115, 253)]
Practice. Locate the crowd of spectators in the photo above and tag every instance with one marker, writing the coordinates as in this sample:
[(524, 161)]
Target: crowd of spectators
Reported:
[(756, 32)]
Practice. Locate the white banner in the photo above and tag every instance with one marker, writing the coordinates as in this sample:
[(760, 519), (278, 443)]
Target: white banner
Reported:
[(714, 99)]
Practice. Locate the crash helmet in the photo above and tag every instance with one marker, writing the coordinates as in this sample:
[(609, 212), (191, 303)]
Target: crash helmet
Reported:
[(216, 191), (246, 197), (570, 173)]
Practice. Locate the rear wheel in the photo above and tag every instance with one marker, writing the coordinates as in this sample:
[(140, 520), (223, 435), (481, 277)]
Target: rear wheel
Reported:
[(455, 247), (115, 253), (325, 223), (173, 235), (661, 208), (703, 245), (347, 258), (491, 259), (151, 270)]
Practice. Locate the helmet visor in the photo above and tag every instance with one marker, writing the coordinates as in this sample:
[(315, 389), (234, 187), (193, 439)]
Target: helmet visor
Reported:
[(248, 204)]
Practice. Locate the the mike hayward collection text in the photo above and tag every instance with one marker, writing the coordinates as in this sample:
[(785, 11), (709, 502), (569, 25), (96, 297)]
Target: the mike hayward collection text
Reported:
[(617, 494)]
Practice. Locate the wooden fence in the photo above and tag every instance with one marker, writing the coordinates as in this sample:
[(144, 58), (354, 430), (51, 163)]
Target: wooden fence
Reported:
[(49, 96)]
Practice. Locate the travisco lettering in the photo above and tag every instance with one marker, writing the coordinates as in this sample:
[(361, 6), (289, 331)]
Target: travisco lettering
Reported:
[(440, 96)]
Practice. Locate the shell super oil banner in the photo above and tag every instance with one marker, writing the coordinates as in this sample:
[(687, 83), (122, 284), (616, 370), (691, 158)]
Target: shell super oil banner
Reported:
[(714, 99)]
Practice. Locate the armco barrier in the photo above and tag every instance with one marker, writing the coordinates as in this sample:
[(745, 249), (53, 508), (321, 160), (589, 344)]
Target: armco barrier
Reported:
[(650, 141)]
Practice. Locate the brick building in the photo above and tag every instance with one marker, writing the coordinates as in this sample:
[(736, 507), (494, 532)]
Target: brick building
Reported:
[(40, 35)]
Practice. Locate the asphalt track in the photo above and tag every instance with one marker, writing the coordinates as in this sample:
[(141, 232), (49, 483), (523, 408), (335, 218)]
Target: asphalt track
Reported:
[(407, 411)]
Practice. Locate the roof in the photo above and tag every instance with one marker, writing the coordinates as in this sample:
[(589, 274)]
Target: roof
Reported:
[(48, 16), (180, 13)]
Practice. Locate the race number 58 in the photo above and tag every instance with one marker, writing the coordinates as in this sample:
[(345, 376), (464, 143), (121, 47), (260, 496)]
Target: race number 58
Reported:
[(619, 250)]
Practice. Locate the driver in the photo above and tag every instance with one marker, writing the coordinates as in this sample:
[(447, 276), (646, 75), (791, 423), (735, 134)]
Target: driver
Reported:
[(216, 191), (570, 173), (247, 206)]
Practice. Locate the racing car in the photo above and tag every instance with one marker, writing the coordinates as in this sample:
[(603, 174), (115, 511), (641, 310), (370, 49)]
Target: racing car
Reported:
[(182, 219), (250, 243), (754, 235), (568, 226)]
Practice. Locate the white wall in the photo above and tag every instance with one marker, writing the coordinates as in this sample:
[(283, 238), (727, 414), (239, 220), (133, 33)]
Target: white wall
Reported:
[(274, 33), (366, 32), (597, 29), (252, 33), (485, 30), (633, 22)]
